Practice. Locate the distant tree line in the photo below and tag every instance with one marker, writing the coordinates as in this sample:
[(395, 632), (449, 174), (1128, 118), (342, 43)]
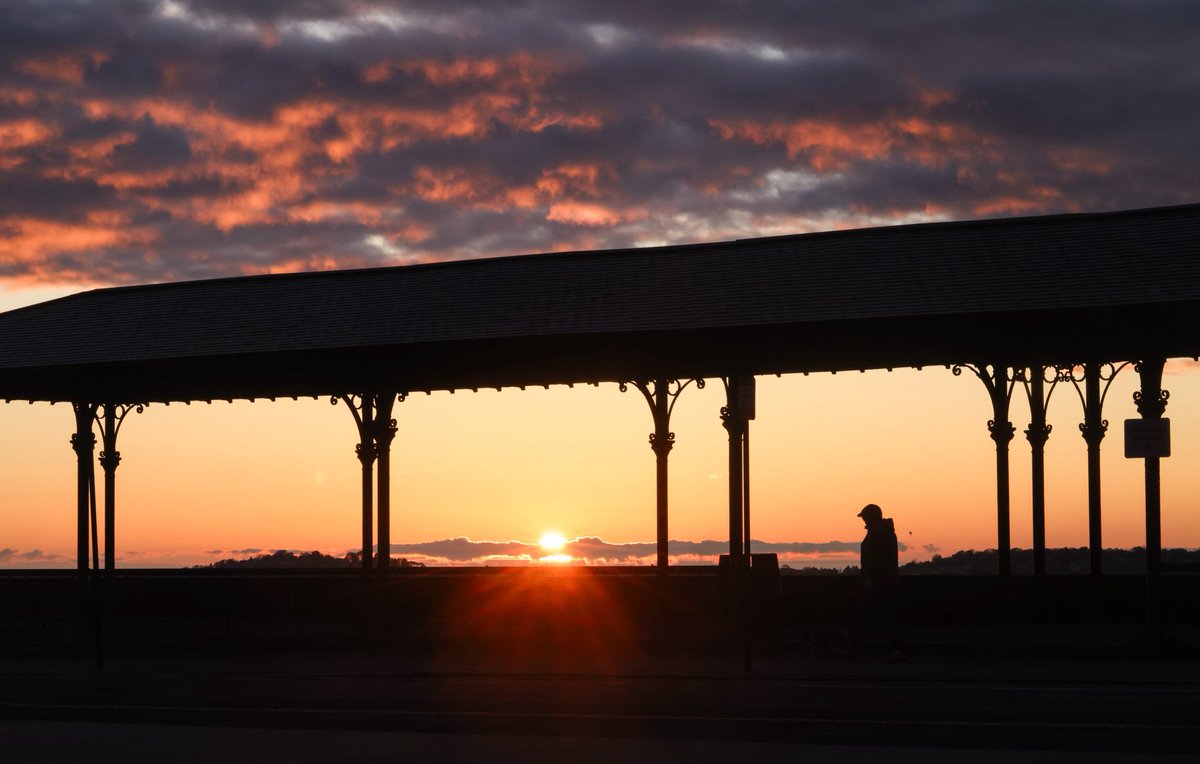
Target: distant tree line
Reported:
[(283, 558), (1061, 562)]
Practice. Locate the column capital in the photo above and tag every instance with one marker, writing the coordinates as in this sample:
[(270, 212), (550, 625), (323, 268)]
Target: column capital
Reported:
[(662, 446), (365, 452), (731, 421), (110, 460), (1151, 400), (1093, 435), (1001, 432), (1037, 436), (83, 442), (385, 433), (1151, 406)]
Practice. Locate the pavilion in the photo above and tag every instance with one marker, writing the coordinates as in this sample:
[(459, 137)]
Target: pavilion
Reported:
[(1019, 302)]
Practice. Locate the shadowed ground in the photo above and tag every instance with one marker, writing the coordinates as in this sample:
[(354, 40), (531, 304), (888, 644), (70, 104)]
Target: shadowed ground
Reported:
[(567, 657)]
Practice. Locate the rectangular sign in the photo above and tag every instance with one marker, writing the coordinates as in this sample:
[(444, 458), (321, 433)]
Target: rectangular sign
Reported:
[(1147, 438)]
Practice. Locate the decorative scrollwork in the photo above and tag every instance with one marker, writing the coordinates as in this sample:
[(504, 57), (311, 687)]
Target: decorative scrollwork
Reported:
[(1077, 374), (1069, 373), (661, 396), (1034, 379), (999, 382), (676, 386)]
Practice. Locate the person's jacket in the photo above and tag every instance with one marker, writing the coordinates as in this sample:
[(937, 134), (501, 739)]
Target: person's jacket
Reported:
[(880, 557)]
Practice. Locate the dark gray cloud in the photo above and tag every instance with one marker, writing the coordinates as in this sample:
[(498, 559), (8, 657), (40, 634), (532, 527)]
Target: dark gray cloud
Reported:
[(155, 148), (166, 140), (14, 557)]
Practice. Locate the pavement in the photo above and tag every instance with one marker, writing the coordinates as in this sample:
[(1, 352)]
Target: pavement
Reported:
[(1060, 694)]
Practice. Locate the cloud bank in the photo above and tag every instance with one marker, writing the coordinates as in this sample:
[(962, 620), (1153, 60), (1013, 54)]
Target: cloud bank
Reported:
[(145, 141), (590, 550)]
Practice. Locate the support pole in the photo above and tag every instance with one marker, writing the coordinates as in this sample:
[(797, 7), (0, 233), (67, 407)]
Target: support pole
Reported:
[(999, 388), (746, 487), (83, 442), (1151, 403), (364, 421), (736, 416), (385, 432), (661, 396), (110, 459), (661, 442), (1093, 429), (366, 455), (735, 425), (1002, 432), (1037, 435)]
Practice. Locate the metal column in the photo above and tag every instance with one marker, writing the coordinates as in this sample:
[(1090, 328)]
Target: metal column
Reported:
[(1093, 428), (661, 442), (1037, 435), (1002, 432), (661, 395), (385, 432), (735, 425), (361, 407), (83, 442), (1151, 402), (110, 458), (999, 386)]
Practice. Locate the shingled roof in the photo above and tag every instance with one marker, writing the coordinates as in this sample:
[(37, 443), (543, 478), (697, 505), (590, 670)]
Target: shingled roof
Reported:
[(1053, 288)]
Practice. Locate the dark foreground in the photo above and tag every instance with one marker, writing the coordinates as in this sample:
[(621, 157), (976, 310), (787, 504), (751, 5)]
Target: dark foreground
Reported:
[(539, 668)]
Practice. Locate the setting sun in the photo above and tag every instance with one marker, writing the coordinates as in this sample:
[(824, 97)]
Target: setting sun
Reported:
[(552, 541)]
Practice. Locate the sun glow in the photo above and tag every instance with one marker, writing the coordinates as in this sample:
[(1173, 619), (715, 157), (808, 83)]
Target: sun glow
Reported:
[(552, 541), (552, 544)]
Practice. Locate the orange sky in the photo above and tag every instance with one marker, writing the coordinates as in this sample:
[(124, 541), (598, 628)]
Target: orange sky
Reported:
[(151, 142), (206, 481)]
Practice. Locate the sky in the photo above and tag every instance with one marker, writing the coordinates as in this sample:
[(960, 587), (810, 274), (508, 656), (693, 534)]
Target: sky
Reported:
[(157, 141)]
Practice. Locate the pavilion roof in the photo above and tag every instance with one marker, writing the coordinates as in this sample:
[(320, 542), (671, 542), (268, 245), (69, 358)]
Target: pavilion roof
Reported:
[(1051, 289)]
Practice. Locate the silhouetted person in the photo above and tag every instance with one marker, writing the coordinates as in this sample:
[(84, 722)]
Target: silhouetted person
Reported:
[(879, 604)]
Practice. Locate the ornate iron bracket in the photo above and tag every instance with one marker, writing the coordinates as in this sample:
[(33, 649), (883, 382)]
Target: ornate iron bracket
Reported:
[(1094, 426), (362, 408), (385, 424), (1034, 379), (999, 383), (661, 411), (110, 427)]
